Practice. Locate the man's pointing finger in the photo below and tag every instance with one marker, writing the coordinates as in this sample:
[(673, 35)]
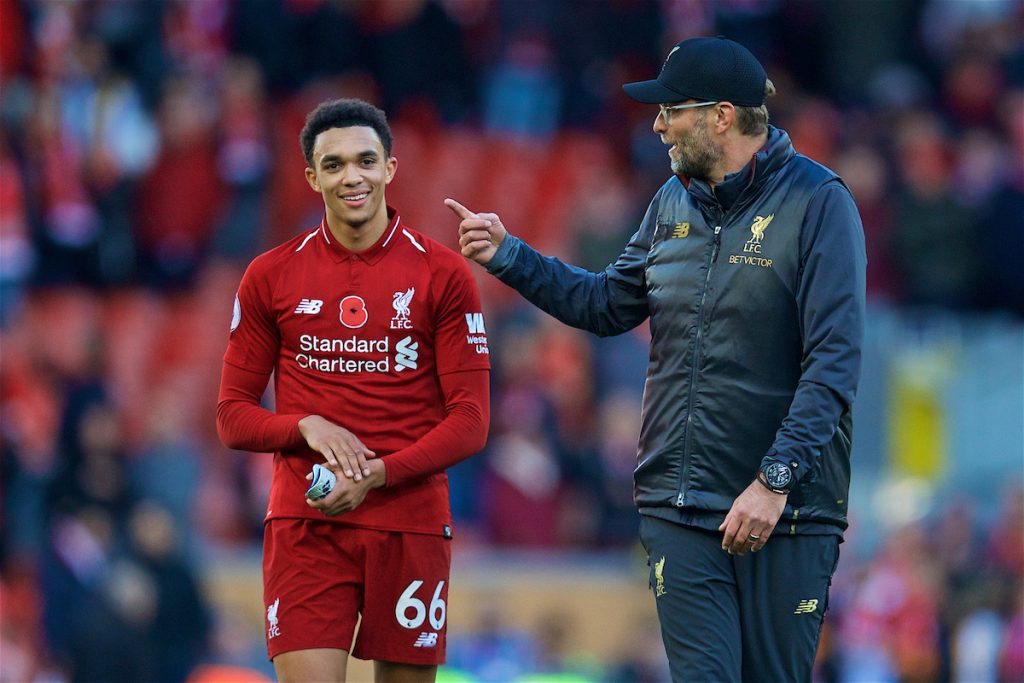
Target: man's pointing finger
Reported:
[(459, 209)]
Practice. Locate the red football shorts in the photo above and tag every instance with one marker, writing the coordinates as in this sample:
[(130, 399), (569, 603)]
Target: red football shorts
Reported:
[(318, 577)]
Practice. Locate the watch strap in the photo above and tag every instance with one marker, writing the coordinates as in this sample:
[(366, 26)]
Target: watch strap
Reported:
[(763, 481)]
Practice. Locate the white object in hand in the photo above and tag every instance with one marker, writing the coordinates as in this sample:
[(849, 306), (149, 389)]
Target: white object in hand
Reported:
[(323, 482)]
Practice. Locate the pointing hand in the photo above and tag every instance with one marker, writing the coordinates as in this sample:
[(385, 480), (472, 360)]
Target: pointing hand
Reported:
[(479, 233)]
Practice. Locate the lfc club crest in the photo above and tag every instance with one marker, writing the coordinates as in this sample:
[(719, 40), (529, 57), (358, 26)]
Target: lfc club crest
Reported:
[(400, 302)]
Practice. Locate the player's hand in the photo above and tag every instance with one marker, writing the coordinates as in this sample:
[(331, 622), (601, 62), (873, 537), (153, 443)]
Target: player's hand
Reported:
[(479, 233), (348, 494), (343, 451), (751, 520)]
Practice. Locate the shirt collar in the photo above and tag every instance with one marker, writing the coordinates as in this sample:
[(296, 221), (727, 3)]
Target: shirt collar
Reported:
[(374, 252)]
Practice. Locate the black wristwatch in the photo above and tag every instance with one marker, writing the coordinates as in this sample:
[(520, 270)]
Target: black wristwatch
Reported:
[(776, 477)]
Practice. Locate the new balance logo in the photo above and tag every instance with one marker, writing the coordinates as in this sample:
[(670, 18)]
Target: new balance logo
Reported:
[(406, 355), (475, 323), (426, 639), (681, 230), (309, 306), (806, 607)]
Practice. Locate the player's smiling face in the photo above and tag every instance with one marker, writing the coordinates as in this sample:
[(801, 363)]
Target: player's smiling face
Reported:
[(350, 170)]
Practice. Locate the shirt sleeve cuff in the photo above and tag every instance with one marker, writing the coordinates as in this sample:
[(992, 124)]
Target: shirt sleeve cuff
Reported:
[(794, 465), (505, 256)]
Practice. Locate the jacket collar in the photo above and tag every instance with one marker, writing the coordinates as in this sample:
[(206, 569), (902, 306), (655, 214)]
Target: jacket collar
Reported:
[(777, 150)]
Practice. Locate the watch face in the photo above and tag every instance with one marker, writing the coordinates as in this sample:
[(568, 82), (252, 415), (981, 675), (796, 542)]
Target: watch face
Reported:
[(778, 476)]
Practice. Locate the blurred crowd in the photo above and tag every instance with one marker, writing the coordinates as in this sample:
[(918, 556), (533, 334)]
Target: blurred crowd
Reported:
[(149, 149)]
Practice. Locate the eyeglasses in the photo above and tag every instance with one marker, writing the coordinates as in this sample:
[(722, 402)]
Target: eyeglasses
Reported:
[(666, 108)]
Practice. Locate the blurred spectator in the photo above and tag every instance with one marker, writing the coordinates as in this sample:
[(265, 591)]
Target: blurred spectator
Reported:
[(97, 139), (977, 638), (971, 90), (1002, 284), (556, 655), (244, 159), (21, 629), (181, 622), (113, 636), (522, 489), (814, 127), (17, 254), (1011, 655), (541, 434), (1006, 535), (522, 95), (935, 238), (864, 170), (73, 566), (196, 34), (182, 194), (168, 468), (70, 218), (602, 217), (492, 651), (980, 166), (96, 472), (947, 26), (891, 631), (618, 426), (414, 49)]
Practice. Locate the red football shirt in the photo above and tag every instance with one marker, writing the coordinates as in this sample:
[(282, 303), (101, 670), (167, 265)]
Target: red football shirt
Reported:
[(366, 340)]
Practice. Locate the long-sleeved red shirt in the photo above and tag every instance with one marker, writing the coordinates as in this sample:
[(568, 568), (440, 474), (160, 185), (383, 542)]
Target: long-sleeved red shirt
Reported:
[(388, 342)]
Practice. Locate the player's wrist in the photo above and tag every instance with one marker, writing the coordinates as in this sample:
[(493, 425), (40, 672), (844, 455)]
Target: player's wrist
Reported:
[(378, 477), (307, 423)]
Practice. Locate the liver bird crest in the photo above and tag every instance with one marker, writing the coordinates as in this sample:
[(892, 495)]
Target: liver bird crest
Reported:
[(401, 302), (760, 223)]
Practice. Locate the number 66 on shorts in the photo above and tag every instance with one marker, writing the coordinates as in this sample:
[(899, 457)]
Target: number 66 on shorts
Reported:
[(325, 576), (408, 601)]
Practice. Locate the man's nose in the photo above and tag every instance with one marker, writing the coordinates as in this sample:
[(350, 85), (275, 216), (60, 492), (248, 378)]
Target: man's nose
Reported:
[(659, 124), (350, 174)]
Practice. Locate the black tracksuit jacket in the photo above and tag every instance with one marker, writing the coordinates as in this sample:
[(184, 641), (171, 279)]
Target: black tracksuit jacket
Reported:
[(755, 294)]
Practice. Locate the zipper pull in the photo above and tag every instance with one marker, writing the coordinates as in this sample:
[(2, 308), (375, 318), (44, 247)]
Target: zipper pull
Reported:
[(718, 243), (679, 500)]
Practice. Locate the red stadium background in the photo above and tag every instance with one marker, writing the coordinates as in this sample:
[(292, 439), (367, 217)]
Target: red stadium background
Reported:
[(149, 149)]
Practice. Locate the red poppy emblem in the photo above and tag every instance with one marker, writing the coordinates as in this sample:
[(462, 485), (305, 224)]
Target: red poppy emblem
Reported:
[(353, 311)]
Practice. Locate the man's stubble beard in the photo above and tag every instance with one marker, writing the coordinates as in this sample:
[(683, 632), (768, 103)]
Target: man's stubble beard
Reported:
[(697, 154)]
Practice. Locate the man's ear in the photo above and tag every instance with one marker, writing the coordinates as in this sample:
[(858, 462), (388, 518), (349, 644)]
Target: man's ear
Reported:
[(312, 180), (725, 116), (390, 168)]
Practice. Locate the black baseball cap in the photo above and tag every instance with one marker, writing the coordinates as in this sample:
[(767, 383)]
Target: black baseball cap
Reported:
[(708, 69)]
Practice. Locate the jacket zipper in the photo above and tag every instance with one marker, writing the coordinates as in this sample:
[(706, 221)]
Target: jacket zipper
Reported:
[(681, 498)]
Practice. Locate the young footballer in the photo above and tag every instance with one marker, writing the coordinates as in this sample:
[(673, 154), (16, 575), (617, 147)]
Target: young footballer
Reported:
[(374, 335)]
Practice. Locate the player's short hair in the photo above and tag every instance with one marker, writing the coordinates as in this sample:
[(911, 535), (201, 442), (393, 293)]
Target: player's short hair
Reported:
[(343, 113), (753, 121)]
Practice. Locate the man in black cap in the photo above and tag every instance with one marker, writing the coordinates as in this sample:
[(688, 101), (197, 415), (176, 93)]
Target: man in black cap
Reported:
[(750, 265)]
